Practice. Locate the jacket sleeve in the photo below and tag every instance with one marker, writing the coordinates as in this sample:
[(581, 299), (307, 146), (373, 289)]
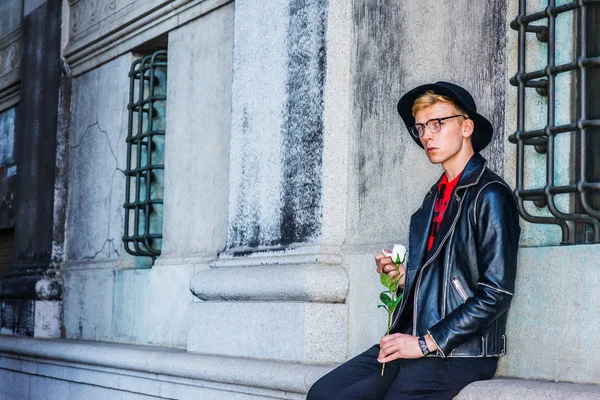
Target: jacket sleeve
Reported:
[(497, 233)]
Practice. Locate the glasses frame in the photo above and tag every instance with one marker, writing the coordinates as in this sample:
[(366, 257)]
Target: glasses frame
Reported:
[(414, 130)]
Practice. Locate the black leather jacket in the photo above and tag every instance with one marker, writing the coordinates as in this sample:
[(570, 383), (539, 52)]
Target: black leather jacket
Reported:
[(460, 293)]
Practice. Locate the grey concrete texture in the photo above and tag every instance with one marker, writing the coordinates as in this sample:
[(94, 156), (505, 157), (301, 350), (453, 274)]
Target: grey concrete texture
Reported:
[(553, 324), (520, 389), (10, 15), (366, 323), (141, 306), (317, 283), (283, 331), (97, 159), (197, 138), (399, 45), (277, 119)]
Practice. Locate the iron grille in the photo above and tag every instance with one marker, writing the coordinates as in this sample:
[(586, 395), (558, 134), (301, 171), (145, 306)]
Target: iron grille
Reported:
[(145, 156), (584, 184)]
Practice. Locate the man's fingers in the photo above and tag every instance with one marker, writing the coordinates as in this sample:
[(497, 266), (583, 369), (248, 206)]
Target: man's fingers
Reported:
[(391, 357)]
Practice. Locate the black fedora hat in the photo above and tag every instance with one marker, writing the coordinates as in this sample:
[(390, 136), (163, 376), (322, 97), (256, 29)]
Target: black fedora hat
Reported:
[(482, 133)]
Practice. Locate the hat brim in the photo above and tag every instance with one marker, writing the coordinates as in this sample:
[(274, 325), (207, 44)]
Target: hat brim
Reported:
[(482, 133)]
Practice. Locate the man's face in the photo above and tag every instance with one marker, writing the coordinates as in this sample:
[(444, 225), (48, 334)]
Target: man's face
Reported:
[(450, 140)]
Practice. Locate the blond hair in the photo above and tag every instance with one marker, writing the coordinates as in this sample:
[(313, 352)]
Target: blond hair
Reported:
[(430, 98)]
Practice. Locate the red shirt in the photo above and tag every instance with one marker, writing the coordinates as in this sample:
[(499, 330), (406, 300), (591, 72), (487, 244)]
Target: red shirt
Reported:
[(445, 190)]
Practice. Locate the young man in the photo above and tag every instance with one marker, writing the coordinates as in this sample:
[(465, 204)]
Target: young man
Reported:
[(449, 329)]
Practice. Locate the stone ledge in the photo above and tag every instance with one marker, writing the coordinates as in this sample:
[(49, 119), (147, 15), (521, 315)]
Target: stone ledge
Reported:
[(317, 283), (280, 376), (522, 389)]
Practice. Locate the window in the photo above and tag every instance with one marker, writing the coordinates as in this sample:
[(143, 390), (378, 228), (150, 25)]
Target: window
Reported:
[(579, 220), (144, 171)]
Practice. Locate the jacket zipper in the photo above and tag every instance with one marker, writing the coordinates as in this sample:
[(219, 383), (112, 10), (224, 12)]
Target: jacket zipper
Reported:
[(460, 289), (427, 264), (400, 309)]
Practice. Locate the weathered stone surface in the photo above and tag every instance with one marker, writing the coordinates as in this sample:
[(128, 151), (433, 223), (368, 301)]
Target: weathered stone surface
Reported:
[(155, 371), (88, 304), (197, 138), (553, 321), (277, 123), (151, 305), (397, 47), (287, 331), (10, 15), (102, 30), (48, 319), (317, 283), (36, 136), (366, 322), (97, 159), (520, 389)]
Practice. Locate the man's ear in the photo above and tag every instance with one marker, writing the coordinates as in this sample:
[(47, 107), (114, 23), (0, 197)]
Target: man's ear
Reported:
[(467, 128)]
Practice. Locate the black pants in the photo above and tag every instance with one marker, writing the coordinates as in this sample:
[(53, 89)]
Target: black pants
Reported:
[(422, 378)]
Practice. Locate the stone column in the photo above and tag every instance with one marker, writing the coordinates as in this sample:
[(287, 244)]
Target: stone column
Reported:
[(31, 291), (278, 289)]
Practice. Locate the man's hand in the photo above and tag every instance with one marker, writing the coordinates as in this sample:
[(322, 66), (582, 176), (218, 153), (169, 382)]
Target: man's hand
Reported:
[(385, 265), (400, 345)]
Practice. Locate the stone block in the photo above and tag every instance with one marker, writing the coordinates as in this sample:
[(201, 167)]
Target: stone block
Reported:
[(277, 108), (287, 331), (14, 385), (97, 157), (553, 320), (42, 387), (197, 138), (88, 304), (317, 283), (48, 319), (150, 305), (366, 323), (10, 15), (521, 389)]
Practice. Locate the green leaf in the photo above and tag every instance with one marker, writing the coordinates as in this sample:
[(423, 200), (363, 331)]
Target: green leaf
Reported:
[(385, 299), (381, 305), (385, 280), (392, 308), (394, 286), (398, 300), (397, 261)]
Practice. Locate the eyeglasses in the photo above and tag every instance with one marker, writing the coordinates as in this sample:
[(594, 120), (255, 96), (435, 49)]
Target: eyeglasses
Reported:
[(434, 125)]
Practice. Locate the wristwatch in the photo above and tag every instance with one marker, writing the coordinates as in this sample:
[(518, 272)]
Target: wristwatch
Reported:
[(423, 345)]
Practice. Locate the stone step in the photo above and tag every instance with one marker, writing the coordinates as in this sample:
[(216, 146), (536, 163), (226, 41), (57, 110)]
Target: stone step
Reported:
[(523, 389)]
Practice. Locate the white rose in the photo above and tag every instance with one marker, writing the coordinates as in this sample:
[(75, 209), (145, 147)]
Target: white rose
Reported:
[(398, 253)]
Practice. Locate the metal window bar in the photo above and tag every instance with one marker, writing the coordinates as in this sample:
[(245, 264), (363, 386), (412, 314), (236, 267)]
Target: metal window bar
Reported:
[(544, 138), (144, 173)]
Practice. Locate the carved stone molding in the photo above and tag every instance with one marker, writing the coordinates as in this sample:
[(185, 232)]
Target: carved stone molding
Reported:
[(11, 47), (100, 30)]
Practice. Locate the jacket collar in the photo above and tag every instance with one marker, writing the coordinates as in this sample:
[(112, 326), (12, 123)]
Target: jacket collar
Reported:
[(421, 220)]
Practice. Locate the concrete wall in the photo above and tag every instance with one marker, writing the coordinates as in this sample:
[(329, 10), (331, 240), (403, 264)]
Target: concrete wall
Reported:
[(106, 297)]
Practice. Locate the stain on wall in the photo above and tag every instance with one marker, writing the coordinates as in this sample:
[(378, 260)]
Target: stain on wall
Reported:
[(277, 129), (303, 124), (399, 45)]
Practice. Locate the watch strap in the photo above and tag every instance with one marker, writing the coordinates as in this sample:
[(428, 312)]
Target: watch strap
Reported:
[(423, 345)]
